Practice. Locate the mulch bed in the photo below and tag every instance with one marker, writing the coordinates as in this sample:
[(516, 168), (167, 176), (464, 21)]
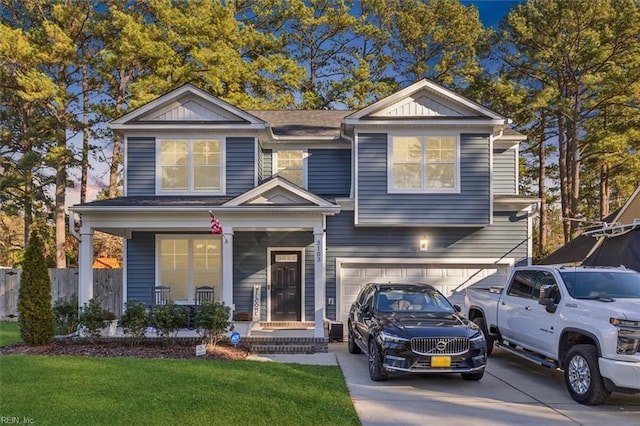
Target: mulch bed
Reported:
[(79, 347)]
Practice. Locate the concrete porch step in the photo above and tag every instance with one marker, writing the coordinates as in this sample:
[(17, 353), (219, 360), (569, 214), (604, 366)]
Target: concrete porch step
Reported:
[(283, 349), (286, 325)]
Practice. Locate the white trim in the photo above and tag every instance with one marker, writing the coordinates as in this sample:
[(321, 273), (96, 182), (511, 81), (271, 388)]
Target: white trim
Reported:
[(125, 121), (491, 173), (428, 86), (287, 186), (125, 263), (423, 171), (190, 166), (302, 278), (356, 181)]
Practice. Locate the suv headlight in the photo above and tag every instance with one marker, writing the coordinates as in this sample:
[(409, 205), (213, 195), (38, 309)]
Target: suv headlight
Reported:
[(628, 336), (392, 338)]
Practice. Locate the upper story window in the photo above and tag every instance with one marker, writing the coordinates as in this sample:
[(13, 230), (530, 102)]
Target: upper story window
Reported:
[(190, 165), (291, 165), (424, 163)]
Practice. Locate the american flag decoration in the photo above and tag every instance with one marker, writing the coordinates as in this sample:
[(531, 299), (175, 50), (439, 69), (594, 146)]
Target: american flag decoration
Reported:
[(216, 228)]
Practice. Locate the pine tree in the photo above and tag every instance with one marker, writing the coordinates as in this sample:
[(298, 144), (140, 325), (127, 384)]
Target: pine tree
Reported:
[(37, 325)]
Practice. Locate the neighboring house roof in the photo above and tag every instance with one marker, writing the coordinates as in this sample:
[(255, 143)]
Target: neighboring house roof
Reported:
[(106, 263), (615, 243)]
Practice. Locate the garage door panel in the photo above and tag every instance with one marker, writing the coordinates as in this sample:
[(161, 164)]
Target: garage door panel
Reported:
[(445, 278)]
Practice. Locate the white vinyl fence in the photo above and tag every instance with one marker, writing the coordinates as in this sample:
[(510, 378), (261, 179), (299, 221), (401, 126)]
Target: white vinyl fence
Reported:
[(107, 288)]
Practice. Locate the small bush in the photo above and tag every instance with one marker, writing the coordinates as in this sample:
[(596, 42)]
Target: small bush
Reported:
[(92, 319), (167, 320), (134, 322), (65, 312), (212, 320), (242, 316)]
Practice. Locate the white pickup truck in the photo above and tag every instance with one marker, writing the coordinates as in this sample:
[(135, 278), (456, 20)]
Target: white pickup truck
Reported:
[(584, 320)]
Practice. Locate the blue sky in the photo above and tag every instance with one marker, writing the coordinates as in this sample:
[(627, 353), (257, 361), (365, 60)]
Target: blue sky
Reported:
[(492, 11)]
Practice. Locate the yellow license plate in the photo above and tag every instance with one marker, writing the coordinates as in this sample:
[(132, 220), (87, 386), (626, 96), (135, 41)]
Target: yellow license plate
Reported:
[(441, 361)]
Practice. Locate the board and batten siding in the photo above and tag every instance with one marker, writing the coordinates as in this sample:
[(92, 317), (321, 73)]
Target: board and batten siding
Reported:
[(376, 207), (329, 171), (141, 270), (250, 267), (141, 166), (240, 165), (504, 171)]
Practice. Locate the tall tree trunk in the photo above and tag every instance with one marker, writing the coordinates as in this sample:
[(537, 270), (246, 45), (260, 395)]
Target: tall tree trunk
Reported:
[(564, 187), (116, 157), (542, 237), (575, 158), (61, 186), (85, 136), (604, 191)]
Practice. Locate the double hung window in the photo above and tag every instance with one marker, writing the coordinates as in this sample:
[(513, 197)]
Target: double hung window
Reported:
[(187, 262), (423, 163), (190, 166), (291, 166)]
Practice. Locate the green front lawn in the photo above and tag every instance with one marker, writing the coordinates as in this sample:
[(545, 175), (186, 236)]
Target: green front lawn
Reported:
[(65, 390), (9, 332)]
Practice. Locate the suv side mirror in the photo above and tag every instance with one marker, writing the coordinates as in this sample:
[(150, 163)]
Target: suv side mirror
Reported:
[(546, 300)]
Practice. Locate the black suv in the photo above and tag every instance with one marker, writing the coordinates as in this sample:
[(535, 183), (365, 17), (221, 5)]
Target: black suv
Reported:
[(413, 328)]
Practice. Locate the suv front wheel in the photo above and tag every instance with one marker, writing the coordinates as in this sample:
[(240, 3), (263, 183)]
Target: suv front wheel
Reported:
[(376, 370)]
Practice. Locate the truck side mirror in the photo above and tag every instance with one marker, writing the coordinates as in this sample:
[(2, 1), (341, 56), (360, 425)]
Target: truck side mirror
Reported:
[(546, 300)]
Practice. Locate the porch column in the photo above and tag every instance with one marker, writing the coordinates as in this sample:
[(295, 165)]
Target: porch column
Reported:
[(85, 267), (227, 267), (319, 238)]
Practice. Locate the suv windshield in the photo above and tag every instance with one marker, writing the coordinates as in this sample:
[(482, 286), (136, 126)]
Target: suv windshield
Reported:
[(602, 284), (412, 301)]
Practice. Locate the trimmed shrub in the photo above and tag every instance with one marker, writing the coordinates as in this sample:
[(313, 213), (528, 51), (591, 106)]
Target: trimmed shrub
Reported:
[(212, 320), (167, 320), (65, 312), (242, 316), (37, 324), (134, 322), (92, 319)]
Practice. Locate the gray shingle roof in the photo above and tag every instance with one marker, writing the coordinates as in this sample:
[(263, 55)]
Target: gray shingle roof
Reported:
[(304, 122)]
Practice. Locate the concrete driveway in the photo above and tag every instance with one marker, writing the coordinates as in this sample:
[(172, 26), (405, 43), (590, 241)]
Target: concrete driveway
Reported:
[(512, 392)]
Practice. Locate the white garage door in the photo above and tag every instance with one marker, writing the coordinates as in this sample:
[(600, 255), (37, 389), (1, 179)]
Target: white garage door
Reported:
[(445, 277)]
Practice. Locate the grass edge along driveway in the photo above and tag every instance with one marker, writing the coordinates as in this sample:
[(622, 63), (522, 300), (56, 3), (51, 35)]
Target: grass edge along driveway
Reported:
[(70, 390)]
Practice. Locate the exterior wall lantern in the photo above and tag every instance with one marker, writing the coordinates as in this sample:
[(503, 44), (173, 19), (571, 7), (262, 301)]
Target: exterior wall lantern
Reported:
[(424, 244)]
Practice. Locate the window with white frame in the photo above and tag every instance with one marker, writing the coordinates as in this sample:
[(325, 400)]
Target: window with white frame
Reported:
[(187, 262), (291, 166), (190, 165), (423, 163)]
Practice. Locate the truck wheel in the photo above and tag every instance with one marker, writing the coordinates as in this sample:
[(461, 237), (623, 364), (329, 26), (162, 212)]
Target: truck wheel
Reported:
[(473, 376), (582, 376), (376, 370), (479, 321), (351, 343)]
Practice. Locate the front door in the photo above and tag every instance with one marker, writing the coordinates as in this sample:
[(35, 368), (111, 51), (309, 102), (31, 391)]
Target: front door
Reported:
[(285, 286)]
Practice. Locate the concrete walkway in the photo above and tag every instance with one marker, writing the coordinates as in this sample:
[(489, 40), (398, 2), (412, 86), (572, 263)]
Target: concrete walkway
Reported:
[(512, 392)]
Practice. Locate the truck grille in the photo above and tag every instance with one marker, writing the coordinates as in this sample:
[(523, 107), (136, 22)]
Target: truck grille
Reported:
[(440, 345)]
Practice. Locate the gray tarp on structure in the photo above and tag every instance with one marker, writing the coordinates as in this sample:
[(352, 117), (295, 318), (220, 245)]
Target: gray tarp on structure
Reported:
[(616, 251)]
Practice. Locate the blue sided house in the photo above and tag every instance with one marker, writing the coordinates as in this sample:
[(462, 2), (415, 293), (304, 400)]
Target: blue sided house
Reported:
[(421, 186)]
